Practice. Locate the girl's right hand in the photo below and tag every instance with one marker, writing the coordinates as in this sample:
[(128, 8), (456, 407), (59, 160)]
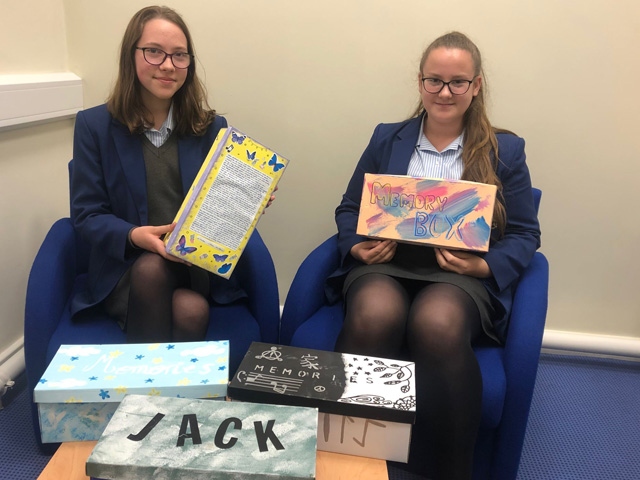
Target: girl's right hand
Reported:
[(374, 251), (150, 238)]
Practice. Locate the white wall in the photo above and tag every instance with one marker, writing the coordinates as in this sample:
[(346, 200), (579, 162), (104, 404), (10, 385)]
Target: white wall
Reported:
[(312, 79), (33, 178)]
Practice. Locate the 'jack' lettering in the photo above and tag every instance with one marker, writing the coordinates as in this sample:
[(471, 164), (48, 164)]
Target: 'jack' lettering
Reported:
[(262, 435), (147, 428), (191, 422), (222, 430)]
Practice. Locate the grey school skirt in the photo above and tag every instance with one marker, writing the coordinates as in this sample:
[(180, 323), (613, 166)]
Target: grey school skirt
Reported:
[(418, 262)]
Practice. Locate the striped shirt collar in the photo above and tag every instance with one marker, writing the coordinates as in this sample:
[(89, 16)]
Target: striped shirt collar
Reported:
[(159, 136), (425, 144)]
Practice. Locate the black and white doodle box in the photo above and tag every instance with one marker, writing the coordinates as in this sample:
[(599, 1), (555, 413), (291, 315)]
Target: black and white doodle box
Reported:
[(335, 383)]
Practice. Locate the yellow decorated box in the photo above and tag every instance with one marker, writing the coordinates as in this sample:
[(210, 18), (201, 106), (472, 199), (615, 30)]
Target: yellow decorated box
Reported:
[(84, 384), (452, 214), (225, 202)]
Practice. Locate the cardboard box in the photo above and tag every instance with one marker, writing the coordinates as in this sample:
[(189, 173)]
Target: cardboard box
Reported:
[(367, 404), (162, 438), (83, 384), (441, 213)]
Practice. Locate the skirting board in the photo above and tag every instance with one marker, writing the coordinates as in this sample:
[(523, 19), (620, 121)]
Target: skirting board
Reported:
[(37, 98), (11, 364), (591, 344)]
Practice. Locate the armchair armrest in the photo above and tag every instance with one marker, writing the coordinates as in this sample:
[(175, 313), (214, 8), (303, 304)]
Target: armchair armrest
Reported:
[(521, 356), (49, 288), (306, 294), (258, 278)]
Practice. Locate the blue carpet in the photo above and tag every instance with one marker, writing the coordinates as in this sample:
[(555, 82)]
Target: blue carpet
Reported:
[(20, 456), (584, 422), (584, 425)]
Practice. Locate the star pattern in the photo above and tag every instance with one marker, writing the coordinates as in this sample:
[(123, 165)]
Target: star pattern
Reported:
[(97, 368)]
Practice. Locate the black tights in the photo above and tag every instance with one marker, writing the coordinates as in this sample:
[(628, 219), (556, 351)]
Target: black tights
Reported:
[(436, 324), (162, 307)]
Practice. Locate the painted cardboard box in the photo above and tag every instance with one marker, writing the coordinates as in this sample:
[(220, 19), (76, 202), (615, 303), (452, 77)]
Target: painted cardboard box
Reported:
[(225, 202), (366, 404), (442, 213), (82, 386), (177, 438)]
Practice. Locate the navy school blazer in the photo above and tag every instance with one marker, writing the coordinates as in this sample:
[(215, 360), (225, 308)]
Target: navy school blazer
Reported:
[(109, 198), (389, 151)]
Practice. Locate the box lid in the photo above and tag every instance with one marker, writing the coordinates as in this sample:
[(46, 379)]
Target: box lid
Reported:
[(344, 384), (163, 437), (106, 373), (431, 211)]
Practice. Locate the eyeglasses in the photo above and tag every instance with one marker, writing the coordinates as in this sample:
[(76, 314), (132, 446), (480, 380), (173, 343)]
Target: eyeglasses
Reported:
[(155, 56), (456, 87)]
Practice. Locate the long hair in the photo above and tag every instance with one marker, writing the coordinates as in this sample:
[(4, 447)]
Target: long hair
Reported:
[(480, 154), (190, 108)]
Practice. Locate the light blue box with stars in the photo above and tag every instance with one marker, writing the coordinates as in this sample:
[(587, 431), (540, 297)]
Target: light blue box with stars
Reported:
[(83, 385)]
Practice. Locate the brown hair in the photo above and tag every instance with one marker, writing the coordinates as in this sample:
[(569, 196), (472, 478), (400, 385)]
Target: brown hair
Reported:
[(190, 108), (480, 153)]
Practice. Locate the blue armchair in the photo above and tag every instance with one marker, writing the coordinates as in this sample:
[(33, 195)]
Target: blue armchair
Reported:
[(508, 372), (60, 267)]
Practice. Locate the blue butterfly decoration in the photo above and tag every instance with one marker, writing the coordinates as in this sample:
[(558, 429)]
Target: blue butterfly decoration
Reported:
[(237, 138), (251, 156), (219, 258), (274, 163), (182, 248), (224, 268)]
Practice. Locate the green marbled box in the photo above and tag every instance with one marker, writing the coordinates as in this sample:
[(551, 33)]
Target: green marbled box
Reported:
[(165, 438)]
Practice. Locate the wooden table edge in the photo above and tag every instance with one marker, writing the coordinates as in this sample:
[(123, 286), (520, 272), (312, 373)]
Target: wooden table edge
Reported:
[(69, 463)]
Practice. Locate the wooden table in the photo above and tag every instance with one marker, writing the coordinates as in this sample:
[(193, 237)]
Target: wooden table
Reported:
[(69, 463)]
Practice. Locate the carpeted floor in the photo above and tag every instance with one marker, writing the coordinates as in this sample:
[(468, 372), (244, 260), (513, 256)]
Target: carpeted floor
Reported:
[(584, 422), (21, 457), (584, 425)]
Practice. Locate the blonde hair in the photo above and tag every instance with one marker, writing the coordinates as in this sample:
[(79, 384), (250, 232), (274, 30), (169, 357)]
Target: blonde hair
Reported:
[(480, 153), (190, 108)]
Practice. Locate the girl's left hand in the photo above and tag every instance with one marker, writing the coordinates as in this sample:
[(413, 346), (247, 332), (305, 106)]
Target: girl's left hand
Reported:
[(465, 263), (271, 200)]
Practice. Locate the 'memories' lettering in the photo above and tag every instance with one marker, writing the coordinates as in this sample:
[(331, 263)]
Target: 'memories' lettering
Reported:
[(287, 371), (383, 194)]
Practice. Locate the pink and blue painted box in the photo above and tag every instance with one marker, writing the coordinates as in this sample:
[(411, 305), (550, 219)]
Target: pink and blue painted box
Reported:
[(84, 384), (452, 214)]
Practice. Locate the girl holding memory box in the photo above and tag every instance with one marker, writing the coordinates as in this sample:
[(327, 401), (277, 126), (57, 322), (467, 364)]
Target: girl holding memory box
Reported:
[(134, 159), (433, 303)]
